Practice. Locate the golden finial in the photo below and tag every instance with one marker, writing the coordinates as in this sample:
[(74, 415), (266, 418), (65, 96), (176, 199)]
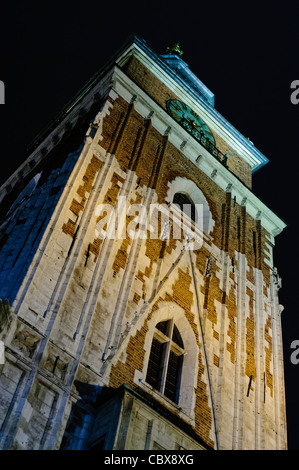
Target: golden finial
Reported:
[(175, 49)]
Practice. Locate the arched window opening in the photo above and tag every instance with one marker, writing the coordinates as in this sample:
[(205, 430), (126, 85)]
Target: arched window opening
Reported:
[(186, 204), (184, 191), (166, 360)]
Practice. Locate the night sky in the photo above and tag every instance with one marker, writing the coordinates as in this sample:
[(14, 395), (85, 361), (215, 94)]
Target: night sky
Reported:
[(244, 52)]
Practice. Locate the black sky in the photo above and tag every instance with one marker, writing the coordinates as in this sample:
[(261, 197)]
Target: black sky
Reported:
[(246, 53)]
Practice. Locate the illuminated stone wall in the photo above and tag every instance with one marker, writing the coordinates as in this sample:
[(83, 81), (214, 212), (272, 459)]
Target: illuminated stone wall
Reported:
[(85, 308)]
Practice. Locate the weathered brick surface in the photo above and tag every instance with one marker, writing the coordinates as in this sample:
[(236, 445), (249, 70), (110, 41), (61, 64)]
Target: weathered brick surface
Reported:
[(234, 232), (82, 191)]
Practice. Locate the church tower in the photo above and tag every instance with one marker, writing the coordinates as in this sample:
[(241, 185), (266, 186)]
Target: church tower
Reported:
[(139, 299)]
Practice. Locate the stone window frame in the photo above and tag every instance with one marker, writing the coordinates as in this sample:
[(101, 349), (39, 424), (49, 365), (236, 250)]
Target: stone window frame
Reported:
[(167, 346), (189, 373), (193, 192)]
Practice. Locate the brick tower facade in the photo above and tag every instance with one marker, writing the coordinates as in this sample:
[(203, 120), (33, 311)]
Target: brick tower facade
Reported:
[(117, 333)]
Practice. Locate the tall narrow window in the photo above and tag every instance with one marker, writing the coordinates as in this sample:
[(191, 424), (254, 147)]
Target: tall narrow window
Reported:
[(166, 360)]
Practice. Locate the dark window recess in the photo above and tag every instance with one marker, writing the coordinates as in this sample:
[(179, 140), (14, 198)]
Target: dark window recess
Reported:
[(163, 326), (176, 337), (155, 364), (182, 199), (165, 361), (172, 378)]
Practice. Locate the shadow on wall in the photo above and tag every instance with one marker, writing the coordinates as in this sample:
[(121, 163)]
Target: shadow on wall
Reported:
[(87, 427)]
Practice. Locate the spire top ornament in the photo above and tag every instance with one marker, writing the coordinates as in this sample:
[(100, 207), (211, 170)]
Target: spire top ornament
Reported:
[(175, 49)]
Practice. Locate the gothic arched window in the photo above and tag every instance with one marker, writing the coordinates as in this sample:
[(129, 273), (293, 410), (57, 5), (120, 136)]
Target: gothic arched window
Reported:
[(184, 191), (165, 360), (186, 204)]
